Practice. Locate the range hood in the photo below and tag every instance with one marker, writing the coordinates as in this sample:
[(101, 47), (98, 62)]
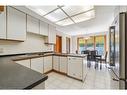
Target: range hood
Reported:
[(49, 43)]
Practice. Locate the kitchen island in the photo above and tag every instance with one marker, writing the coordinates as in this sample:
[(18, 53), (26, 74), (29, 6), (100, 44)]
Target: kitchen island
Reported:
[(72, 65), (32, 68)]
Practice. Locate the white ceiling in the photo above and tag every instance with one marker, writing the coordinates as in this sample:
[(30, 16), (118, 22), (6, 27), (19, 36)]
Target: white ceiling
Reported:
[(101, 23)]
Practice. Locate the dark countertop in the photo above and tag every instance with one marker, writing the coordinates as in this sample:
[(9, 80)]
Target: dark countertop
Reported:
[(23, 57), (15, 76)]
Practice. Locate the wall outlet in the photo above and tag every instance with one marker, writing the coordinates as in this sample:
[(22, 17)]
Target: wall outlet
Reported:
[(1, 50)]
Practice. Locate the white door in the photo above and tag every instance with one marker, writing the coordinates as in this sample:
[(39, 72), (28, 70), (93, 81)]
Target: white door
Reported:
[(3, 24), (47, 63), (75, 67), (43, 28), (25, 63), (56, 61), (16, 24), (32, 24), (37, 64), (63, 64)]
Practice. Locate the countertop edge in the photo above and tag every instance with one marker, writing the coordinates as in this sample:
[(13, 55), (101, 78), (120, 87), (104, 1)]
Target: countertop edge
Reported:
[(36, 83)]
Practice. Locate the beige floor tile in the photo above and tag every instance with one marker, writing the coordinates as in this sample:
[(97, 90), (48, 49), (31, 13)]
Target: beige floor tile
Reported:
[(95, 79)]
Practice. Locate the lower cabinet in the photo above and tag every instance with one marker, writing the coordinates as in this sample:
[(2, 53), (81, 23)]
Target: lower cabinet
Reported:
[(63, 64), (47, 63), (37, 64), (56, 61), (75, 67), (25, 63)]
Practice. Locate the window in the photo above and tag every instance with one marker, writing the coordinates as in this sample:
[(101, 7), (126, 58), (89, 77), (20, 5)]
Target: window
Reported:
[(92, 43), (100, 44), (82, 43)]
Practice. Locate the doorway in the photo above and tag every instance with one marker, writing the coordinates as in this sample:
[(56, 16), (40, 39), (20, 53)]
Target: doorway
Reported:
[(67, 45), (58, 46)]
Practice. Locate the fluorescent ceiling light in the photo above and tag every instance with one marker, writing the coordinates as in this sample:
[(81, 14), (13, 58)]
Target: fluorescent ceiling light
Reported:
[(72, 10), (56, 15), (65, 22), (65, 15), (85, 16), (42, 10)]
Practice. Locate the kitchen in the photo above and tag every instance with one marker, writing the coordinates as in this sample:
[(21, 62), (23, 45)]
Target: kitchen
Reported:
[(29, 45)]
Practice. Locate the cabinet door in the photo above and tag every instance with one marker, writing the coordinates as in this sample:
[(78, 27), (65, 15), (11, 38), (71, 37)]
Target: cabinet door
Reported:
[(43, 28), (37, 64), (75, 67), (25, 63), (47, 63), (16, 24), (32, 24), (85, 69), (52, 34), (63, 64), (3, 24), (56, 61)]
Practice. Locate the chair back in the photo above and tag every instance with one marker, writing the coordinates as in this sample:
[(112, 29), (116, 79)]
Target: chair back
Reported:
[(93, 53), (106, 53)]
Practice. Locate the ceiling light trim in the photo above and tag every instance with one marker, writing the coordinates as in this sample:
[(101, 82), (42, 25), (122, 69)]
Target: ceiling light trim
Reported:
[(65, 13), (76, 15)]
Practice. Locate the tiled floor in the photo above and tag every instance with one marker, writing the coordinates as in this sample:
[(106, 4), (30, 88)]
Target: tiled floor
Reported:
[(95, 79)]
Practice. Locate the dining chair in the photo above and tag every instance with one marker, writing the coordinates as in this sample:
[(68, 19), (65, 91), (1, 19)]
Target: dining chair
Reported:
[(104, 59)]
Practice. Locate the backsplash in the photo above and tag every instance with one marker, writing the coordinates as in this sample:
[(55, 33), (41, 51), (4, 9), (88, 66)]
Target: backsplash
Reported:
[(33, 43)]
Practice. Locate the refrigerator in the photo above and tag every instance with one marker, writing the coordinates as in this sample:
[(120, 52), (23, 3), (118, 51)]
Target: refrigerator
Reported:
[(118, 49)]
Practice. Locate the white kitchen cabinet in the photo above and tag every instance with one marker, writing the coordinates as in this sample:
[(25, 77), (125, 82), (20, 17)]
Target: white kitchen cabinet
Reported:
[(47, 63), (16, 24), (56, 61), (75, 67), (32, 25), (3, 24), (37, 64), (25, 63), (52, 34), (43, 28), (85, 69), (63, 64)]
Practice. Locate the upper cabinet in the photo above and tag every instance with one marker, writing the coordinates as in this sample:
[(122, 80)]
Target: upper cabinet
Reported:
[(52, 34), (43, 28), (32, 24), (16, 24), (3, 24)]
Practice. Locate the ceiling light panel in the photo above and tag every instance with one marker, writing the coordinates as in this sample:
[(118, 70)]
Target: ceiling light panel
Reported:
[(56, 15), (73, 10), (65, 22), (42, 10), (85, 16)]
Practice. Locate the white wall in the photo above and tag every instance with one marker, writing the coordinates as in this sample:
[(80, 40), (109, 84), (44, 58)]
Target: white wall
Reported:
[(73, 44), (33, 43)]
